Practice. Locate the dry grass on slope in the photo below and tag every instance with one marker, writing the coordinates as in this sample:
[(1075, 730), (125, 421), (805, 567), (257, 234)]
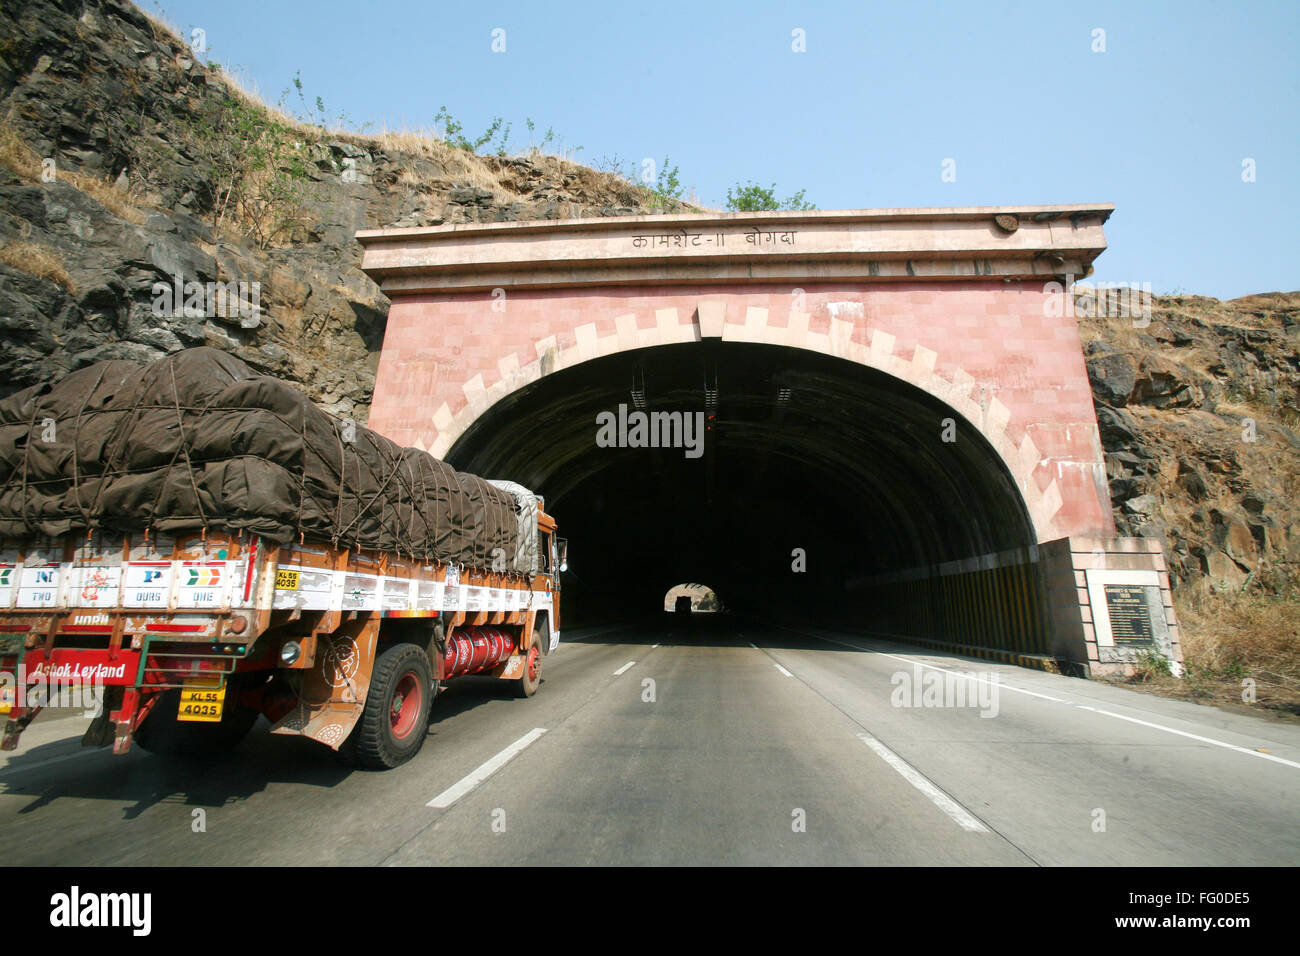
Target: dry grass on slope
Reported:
[(1241, 652), (36, 260), (16, 154)]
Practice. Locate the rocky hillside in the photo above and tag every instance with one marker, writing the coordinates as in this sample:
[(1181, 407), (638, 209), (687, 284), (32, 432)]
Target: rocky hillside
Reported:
[(1198, 411), (110, 181), (1199, 407)]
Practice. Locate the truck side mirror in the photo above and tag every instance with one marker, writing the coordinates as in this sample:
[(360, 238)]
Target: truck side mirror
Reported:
[(563, 545)]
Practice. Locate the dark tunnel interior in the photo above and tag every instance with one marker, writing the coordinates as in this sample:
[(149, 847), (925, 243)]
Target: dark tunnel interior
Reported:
[(801, 451)]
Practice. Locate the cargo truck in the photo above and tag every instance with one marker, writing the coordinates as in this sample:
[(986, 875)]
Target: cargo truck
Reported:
[(193, 637), (200, 546)]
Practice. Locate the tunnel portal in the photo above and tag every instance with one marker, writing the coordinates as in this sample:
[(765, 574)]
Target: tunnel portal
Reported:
[(875, 418)]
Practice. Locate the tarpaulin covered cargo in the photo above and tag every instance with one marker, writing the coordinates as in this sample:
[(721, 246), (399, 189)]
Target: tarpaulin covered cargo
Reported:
[(526, 507), (197, 440)]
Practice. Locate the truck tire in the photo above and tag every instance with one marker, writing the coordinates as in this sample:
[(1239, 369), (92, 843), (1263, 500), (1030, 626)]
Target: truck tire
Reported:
[(162, 734), (395, 720), (527, 685)]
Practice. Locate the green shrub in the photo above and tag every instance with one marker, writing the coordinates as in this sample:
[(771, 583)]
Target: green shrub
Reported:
[(752, 197)]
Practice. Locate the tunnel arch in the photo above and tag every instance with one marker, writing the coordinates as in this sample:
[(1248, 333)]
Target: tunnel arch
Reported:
[(808, 453), (979, 407)]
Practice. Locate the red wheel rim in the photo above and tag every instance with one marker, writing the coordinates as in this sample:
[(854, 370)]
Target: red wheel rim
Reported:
[(406, 705), (533, 660)]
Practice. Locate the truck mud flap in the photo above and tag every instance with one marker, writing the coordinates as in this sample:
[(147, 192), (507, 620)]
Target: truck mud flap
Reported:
[(332, 693)]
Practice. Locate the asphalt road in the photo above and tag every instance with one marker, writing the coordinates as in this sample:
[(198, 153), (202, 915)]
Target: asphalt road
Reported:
[(726, 743)]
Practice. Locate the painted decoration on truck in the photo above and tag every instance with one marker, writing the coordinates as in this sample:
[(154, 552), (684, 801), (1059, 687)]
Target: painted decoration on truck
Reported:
[(309, 589), (96, 586), (8, 579), (38, 586), (339, 659), (361, 592), (451, 594), (147, 584), (203, 584)]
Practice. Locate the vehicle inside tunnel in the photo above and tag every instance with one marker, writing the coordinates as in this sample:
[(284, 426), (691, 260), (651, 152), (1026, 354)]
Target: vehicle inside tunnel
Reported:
[(817, 478)]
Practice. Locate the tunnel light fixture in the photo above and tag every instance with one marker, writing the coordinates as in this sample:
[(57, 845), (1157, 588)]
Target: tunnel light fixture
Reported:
[(783, 395)]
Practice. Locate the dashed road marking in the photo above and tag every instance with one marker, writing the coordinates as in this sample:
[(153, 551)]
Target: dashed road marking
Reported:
[(624, 669), (483, 771), (913, 776)]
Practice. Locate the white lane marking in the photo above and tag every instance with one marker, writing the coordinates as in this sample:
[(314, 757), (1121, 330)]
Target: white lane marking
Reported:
[(1095, 710), (624, 669), (45, 763), (1183, 733), (911, 660), (913, 776), (483, 771), (774, 663), (998, 683)]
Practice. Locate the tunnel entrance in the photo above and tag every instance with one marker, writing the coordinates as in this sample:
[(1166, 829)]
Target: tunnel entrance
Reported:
[(818, 479), (692, 598)]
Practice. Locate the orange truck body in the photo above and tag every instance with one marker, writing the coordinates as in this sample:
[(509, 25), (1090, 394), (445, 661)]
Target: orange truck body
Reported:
[(227, 621)]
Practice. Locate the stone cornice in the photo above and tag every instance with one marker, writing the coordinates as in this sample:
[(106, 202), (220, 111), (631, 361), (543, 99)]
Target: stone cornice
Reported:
[(869, 245)]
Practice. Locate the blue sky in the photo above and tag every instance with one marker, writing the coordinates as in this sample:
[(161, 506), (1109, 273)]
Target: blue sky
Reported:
[(1013, 92)]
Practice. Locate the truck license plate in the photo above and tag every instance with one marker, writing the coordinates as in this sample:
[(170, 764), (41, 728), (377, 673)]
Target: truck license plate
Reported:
[(202, 703)]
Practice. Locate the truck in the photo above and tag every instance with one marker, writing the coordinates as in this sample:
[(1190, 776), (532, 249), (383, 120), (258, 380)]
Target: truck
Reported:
[(184, 639), (192, 638)]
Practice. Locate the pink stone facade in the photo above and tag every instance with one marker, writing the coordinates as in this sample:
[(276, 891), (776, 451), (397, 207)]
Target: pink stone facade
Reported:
[(999, 352)]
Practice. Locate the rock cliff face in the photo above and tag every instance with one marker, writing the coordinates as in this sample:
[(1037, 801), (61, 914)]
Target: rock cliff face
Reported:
[(1198, 406), (108, 187)]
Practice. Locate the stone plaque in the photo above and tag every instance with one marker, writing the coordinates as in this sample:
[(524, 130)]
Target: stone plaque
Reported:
[(1129, 613)]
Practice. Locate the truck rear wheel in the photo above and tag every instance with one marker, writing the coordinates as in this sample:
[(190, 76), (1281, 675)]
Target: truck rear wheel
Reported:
[(162, 734), (395, 720), (526, 686)]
